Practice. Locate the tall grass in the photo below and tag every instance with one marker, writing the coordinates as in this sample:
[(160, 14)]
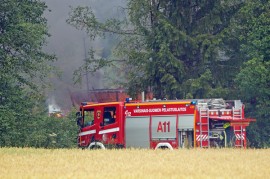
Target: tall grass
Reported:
[(131, 163)]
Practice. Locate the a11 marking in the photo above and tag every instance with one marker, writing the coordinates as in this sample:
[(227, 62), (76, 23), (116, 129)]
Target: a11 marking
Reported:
[(164, 127)]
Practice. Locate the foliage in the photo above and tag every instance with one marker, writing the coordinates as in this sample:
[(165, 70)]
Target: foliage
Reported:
[(166, 45), (53, 132), (17, 113), (23, 71), (22, 35), (254, 77), (34, 128)]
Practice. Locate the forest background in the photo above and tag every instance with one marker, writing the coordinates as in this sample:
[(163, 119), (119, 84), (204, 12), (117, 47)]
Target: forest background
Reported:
[(175, 49)]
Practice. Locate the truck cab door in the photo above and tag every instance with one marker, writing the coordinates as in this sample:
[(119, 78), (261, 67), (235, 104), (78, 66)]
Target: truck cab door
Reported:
[(109, 126), (88, 127)]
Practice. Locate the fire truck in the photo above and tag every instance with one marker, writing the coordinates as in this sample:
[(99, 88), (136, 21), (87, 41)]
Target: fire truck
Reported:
[(171, 124)]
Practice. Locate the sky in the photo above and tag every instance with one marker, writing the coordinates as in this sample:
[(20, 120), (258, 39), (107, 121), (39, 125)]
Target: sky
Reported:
[(67, 43)]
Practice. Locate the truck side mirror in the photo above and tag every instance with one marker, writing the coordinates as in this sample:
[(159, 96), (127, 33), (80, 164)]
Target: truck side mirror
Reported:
[(80, 122), (78, 114)]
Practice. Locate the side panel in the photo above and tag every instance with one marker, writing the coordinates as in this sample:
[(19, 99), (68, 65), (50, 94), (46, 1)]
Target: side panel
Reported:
[(163, 127), (186, 122), (186, 130), (137, 132)]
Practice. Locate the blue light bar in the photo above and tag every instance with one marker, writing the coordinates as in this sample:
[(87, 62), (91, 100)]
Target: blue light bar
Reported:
[(128, 100), (193, 102)]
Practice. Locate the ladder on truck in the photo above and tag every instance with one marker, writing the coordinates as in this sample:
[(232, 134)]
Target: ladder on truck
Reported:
[(204, 128), (238, 130)]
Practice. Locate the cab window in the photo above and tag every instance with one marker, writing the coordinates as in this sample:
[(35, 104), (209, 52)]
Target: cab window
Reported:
[(109, 115), (88, 117)]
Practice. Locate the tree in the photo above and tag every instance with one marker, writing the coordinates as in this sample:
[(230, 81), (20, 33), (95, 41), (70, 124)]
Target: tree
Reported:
[(254, 88), (23, 68), (254, 78), (23, 32), (173, 47)]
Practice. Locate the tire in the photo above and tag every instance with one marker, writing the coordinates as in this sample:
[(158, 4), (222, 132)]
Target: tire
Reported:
[(96, 145)]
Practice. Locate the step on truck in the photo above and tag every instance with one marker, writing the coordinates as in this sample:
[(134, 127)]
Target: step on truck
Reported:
[(203, 123)]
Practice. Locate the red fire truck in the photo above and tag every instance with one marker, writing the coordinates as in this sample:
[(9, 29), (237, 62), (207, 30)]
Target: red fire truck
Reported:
[(163, 124)]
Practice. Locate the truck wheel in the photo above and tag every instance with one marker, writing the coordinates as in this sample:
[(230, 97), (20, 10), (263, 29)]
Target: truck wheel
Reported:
[(96, 145), (164, 145)]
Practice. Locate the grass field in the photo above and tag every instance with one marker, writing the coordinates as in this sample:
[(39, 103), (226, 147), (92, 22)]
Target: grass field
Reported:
[(182, 163)]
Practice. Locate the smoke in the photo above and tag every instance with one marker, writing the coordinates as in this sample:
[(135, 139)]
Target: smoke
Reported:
[(67, 43), (53, 107)]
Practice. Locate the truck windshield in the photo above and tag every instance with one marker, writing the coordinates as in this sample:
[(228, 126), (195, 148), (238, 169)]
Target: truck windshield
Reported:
[(88, 116)]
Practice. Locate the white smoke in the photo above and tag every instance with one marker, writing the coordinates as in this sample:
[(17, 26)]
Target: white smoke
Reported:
[(53, 107)]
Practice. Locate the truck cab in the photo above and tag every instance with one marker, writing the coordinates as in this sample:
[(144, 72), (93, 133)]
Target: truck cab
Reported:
[(101, 125)]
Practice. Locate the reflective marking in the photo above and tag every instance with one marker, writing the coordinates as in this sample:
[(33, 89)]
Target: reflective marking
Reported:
[(240, 137), (202, 138), (109, 130), (87, 132)]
